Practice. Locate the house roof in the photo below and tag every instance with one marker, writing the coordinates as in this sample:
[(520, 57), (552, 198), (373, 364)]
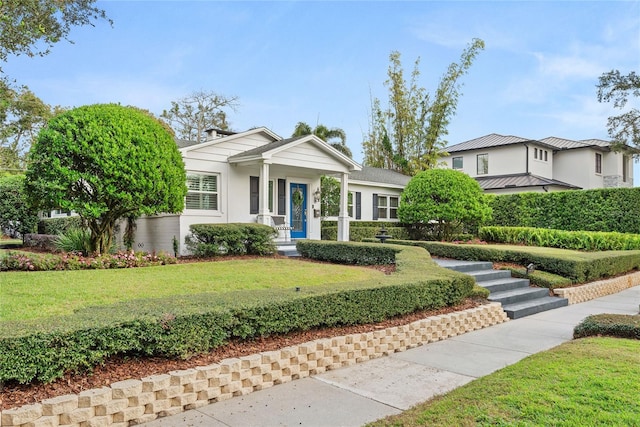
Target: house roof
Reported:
[(189, 145), (384, 176), (519, 181), (265, 148), (492, 140), (568, 144)]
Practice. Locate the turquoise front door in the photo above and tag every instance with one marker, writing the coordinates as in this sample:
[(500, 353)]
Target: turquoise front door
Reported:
[(298, 209)]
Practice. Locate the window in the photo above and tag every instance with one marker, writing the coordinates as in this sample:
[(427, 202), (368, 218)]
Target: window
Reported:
[(535, 153), (625, 168), (483, 164), (254, 195), (202, 192), (598, 163), (545, 155), (456, 163), (350, 200), (386, 207)]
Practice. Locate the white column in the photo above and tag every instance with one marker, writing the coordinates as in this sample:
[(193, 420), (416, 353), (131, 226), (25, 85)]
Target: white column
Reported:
[(343, 217), (264, 217)]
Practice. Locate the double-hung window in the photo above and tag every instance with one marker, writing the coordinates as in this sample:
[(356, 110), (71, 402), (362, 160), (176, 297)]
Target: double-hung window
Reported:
[(202, 192), (483, 164), (385, 207)]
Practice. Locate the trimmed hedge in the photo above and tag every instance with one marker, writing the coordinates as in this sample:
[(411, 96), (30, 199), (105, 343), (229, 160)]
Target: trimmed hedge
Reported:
[(609, 209), (542, 279), (580, 267), (183, 325), (348, 252), (208, 240), (361, 230), (576, 240), (59, 226), (613, 325)]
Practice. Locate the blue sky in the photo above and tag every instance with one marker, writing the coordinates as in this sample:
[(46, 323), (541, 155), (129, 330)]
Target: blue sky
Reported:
[(320, 62)]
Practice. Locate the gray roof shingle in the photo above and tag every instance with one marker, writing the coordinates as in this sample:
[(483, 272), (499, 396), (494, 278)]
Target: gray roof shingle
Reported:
[(384, 176)]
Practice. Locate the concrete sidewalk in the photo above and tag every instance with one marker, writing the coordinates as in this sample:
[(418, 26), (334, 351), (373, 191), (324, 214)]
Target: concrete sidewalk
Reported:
[(356, 395)]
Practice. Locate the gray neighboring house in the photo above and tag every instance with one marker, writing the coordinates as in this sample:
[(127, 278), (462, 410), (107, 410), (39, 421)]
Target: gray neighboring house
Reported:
[(511, 164)]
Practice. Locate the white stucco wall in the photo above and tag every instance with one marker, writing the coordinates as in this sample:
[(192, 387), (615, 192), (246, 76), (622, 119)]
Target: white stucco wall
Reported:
[(539, 166), (577, 167), (505, 160), (367, 190)]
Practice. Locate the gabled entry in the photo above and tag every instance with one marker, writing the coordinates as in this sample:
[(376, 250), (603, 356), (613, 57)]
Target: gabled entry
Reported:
[(298, 209)]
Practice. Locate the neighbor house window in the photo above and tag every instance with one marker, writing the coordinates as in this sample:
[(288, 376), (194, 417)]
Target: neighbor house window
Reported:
[(535, 153), (202, 192), (483, 164), (456, 163), (625, 168), (598, 163), (545, 155), (387, 207)]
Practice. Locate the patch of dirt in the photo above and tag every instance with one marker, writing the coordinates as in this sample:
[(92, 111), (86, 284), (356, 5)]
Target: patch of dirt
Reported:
[(116, 369)]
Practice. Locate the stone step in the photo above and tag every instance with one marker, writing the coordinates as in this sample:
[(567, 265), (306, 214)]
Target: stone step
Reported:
[(518, 295), (505, 284), (464, 266), (485, 275), (522, 309)]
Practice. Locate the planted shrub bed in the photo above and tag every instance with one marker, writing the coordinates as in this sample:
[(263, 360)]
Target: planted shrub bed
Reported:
[(361, 230), (180, 326), (576, 240), (580, 267), (208, 240), (613, 325)]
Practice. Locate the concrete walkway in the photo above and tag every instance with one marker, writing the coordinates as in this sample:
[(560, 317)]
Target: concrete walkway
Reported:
[(356, 395)]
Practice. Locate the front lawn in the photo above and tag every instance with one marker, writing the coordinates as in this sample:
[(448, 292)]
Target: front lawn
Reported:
[(32, 295), (591, 381)]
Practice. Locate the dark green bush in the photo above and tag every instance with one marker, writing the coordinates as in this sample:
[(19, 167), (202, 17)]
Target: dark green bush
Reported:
[(576, 240), (183, 325), (59, 226), (613, 325), (579, 267), (348, 252), (359, 233), (231, 239), (609, 209), (542, 279)]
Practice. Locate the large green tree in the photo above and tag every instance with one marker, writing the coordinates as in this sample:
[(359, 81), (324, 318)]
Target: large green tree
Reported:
[(32, 27), (192, 115), (409, 134), (438, 203), (106, 162), (22, 115), (17, 217), (335, 137), (624, 129)]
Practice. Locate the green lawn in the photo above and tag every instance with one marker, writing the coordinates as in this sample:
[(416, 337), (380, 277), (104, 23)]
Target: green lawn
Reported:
[(32, 295), (586, 382)]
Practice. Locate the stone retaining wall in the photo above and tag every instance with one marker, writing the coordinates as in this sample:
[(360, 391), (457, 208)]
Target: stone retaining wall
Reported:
[(598, 289), (134, 402)]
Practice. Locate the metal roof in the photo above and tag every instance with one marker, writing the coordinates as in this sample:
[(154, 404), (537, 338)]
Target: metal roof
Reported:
[(519, 181), (568, 144), (384, 176), (491, 140)]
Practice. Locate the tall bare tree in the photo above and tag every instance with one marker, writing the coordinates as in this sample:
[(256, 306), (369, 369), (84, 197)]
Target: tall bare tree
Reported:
[(409, 135), (192, 115)]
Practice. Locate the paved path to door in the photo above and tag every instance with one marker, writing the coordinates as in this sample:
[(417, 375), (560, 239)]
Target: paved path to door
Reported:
[(365, 392)]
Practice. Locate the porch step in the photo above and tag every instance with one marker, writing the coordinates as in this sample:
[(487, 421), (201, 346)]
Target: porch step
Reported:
[(518, 299), (287, 249)]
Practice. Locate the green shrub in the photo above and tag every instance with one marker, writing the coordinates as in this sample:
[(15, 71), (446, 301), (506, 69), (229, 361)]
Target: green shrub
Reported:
[(614, 325), (580, 267), (360, 233), (74, 240), (576, 240), (348, 252), (183, 325), (28, 261), (208, 240), (59, 226), (609, 209), (542, 279)]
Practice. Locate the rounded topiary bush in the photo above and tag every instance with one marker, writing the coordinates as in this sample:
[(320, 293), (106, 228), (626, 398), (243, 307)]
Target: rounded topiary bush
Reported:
[(439, 203)]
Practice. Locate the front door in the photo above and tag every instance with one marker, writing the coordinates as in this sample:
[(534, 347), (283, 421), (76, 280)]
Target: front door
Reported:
[(298, 209)]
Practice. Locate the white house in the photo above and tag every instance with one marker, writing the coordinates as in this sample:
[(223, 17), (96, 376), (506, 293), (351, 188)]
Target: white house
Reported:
[(511, 164), (256, 176)]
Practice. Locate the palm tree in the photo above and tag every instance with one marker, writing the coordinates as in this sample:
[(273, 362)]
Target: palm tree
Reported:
[(335, 137)]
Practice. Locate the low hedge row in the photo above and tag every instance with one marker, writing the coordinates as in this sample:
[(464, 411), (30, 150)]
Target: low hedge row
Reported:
[(542, 279), (208, 240), (348, 253), (580, 267), (613, 325), (60, 225), (183, 325), (359, 234), (576, 240)]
